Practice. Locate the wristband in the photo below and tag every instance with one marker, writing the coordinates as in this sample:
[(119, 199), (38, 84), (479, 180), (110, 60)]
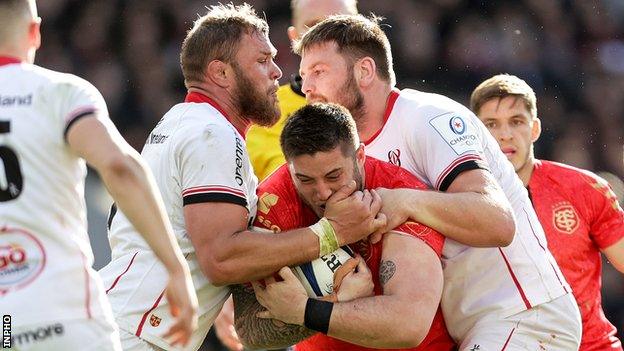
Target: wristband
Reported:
[(317, 315), (328, 242)]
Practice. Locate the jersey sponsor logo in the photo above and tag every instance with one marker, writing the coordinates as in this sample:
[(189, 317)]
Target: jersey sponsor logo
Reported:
[(25, 100), (267, 201), (39, 334), (458, 126), (156, 138), (417, 229), (268, 225), (565, 218), (22, 259), (458, 134), (394, 157), (155, 320), (238, 176)]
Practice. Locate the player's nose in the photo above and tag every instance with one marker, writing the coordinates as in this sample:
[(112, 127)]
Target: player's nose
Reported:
[(323, 192), (306, 85)]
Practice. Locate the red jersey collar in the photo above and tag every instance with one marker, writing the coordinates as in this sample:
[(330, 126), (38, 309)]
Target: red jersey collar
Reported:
[(7, 60), (392, 98), (199, 98)]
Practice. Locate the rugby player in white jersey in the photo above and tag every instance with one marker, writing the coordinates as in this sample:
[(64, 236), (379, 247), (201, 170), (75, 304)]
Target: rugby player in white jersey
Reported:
[(49, 123), (198, 156), (503, 289)]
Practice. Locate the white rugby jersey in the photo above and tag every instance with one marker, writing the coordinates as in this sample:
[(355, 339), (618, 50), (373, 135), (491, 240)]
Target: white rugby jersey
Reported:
[(196, 156), (436, 139), (45, 254)]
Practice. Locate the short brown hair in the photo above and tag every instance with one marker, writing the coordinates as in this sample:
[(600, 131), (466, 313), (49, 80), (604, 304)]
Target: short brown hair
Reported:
[(215, 36), (319, 127), (357, 37), (501, 86)]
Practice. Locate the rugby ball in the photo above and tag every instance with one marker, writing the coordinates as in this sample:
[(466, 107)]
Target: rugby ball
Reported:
[(317, 276)]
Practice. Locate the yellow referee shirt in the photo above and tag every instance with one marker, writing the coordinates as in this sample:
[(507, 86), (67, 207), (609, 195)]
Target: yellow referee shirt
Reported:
[(263, 144)]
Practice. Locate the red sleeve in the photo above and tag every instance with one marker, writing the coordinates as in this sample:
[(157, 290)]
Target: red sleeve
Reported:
[(401, 178), (278, 204), (607, 217)]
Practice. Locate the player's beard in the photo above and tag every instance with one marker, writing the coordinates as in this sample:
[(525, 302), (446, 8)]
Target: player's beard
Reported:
[(254, 104), (352, 98)]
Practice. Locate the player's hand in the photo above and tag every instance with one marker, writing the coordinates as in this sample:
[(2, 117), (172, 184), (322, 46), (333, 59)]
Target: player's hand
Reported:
[(393, 207), (358, 283), (182, 306), (354, 214), (224, 327), (285, 300)]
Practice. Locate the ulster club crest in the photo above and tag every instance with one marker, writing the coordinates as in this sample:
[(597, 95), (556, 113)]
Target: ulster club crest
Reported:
[(155, 320), (565, 218)]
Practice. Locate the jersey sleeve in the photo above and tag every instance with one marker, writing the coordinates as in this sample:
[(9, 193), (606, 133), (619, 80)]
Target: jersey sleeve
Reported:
[(607, 222), (210, 160), (278, 205), (81, 99), (448, 144)]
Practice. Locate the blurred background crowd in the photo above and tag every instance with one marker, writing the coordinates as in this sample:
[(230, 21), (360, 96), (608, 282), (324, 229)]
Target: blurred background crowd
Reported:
[(570, 51)]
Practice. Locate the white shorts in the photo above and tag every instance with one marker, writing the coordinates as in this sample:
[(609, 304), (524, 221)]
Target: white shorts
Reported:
[(552, 326), (131, 342), (78, 334)]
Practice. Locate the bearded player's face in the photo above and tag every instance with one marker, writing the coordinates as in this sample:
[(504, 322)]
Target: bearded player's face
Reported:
[(256, 75), (328, 77), (513, 127), (318, 176)]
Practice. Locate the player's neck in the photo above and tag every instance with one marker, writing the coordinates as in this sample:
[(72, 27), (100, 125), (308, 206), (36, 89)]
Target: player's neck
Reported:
[(526, 171), (226, 106), (375, 103), (12, 52)]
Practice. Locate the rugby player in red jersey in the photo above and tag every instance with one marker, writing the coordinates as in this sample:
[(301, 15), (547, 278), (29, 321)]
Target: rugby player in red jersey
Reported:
[(578, 210), (323, 153)]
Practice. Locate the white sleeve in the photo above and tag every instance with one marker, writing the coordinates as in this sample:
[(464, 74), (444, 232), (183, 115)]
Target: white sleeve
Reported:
[(80, 99), (450, 144), (211, 164)]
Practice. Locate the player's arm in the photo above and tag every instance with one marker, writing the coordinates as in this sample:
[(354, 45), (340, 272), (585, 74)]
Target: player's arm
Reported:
[(259, 333), (131, 185), (473, 211), (411, 278), (228, 253), (615, 255)]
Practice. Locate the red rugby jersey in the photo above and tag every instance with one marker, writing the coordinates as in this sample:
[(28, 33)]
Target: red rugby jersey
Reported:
[(280, 209), (580, 215)]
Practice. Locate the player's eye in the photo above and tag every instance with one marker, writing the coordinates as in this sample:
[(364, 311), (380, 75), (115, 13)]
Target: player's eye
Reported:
[(490, 125)]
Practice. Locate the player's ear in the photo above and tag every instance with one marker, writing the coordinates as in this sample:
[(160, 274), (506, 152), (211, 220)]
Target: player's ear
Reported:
[(360, 155), (292, 33), (219, 73), (34, 33), (536, 129), (365, 71)]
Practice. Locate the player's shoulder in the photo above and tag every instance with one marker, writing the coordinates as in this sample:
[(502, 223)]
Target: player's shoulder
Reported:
[(382, 174), (567, 174), (54, 81), (278, 191), (199, 119), (429, 105)]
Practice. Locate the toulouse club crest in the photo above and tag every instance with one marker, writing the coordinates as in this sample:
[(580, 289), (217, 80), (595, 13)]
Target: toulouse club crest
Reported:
[(565, 218)]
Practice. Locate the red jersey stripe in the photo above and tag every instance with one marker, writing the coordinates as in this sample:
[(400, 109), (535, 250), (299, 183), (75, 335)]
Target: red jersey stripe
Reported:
[(140, 328), (122, 273), (508, 338), (513, 276)]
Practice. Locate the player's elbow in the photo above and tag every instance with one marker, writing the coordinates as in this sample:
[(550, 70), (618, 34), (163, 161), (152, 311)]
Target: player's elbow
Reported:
[(506, 229), (118, 166), (218, 271)]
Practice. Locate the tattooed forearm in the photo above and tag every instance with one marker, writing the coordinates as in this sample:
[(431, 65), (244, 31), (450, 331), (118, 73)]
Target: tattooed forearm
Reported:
[(386, 271), (257, 333)]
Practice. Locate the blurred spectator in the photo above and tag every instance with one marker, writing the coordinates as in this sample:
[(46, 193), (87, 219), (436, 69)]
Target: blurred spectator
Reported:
[(571, 52)]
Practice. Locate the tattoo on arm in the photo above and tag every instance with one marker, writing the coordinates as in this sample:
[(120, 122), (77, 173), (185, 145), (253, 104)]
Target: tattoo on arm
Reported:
[(261, 333), (386, 271)]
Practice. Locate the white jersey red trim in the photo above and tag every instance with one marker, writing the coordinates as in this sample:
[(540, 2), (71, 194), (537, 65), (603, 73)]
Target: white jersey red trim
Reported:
[(196, 156), (436, 139), (42, 206)]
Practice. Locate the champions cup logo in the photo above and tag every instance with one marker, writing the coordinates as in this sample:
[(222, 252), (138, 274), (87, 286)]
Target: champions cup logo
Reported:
[(394, 157), (22, 258), (457, 125), (565, 218)]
